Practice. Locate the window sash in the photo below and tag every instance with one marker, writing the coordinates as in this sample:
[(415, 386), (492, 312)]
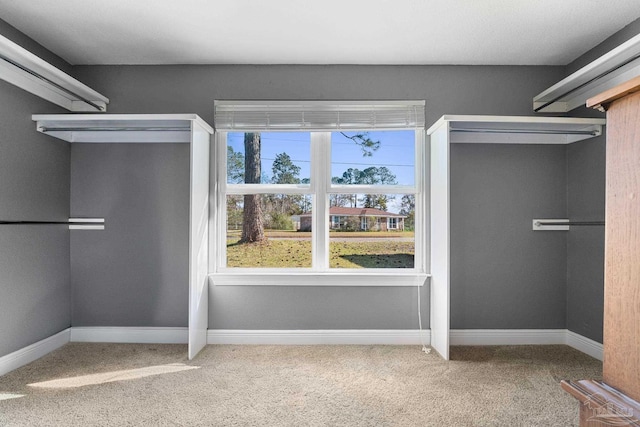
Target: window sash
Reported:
[(309, 189), (268, 189)]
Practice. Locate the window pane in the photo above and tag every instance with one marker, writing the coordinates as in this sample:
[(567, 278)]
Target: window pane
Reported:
[(273, 226), (376, 157), (277, 158), (371, 231)]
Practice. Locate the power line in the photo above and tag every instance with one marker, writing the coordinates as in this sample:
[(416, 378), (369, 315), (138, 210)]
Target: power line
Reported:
[(308, 141), (345, 163), (369, 164)]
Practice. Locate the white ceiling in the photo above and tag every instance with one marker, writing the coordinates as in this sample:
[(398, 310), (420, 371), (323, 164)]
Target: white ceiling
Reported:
[(518, 32)]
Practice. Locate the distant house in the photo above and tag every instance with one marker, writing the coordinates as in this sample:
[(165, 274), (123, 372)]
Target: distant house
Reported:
[(360, 219)]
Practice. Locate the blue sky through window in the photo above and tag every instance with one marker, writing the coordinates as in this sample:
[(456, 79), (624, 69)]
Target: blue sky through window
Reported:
[(396, 152), (296, 144)]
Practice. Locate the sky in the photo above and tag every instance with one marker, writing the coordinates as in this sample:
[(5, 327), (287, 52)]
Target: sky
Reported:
[(396, 152)]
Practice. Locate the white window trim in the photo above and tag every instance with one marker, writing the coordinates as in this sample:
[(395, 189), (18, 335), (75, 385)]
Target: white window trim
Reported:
[(320, 274), (384, 277), (278, 116)]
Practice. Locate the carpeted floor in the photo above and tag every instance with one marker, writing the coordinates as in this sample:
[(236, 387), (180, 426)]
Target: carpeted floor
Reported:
[(153, 385)]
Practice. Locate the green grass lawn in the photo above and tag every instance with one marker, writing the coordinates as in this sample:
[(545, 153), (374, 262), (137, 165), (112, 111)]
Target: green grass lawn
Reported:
[(286, 253), (378, 254), (272, 253)]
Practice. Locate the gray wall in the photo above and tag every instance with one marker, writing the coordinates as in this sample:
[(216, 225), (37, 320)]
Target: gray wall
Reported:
[(34, 185), (585, 255), (503, 274), (135, 272), (535, 301), (446, 89)]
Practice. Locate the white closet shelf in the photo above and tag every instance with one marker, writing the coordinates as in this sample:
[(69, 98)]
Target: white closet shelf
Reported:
[(518, 129), (125, 128), (154, 128), (611, 69), (22, 68)]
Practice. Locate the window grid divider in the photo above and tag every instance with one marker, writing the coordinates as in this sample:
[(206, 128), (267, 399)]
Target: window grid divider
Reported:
[(321, 177)]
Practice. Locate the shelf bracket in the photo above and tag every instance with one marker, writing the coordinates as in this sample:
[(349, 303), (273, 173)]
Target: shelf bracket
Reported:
[(543, 225)]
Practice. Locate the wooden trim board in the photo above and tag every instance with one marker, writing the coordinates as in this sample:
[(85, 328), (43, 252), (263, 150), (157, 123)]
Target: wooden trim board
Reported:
[(602, 101)]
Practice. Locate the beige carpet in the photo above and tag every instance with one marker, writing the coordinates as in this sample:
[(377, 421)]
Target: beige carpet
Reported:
[(152, 385)]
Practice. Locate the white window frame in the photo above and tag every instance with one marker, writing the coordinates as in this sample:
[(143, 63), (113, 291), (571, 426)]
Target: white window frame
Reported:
[(320, 274)]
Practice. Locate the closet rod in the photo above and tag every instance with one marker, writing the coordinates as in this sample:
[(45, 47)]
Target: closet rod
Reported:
[(599, 76), (527, 131), (540, 223), (112, 129), (51, 82), (51, 223)]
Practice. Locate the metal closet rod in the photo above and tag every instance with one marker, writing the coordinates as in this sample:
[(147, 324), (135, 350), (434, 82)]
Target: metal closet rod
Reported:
[(527, 131), (599, 76), (51, 223), (543, 223), (111, 129), (51, 82)]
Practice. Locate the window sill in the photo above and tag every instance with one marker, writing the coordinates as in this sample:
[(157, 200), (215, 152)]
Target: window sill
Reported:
[(318, 279)]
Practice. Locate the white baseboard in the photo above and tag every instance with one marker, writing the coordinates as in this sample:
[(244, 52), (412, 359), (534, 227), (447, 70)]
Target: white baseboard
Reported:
[(315, 336), (34, 351), (385, 336), (407, 337), (585, 345), (153, 335), (526, 337), (507, 336), (141, 335)]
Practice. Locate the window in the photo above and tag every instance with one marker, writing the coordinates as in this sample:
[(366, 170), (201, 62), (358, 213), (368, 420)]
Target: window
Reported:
[(318, 201), (393, 223)]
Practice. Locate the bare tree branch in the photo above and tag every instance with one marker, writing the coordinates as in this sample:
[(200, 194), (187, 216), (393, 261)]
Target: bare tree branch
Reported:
[(367, 145)]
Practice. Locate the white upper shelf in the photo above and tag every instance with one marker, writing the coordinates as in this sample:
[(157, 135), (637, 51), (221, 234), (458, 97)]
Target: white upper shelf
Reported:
[(518, 129), (127, 128), (611, 69), (22, 68)]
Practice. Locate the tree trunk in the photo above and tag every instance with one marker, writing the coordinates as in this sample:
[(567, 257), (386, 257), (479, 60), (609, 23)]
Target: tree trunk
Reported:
[(252, 224)]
